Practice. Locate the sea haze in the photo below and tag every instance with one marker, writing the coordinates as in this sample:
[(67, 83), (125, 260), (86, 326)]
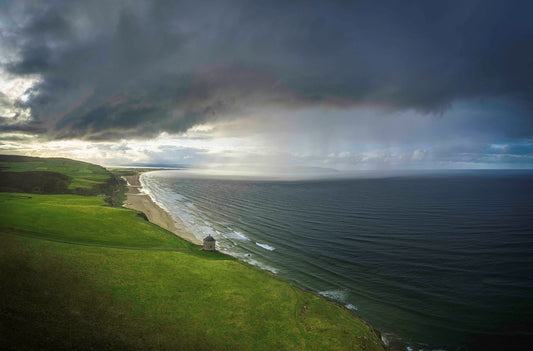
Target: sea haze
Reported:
[(433, 260)]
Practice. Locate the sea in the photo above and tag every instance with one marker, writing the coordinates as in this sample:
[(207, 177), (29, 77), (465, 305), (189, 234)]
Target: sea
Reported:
[(435, 260)]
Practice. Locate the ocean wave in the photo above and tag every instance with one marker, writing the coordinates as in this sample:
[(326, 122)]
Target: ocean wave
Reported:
[(338, 295), (351, 307), (236, 235), (266, 247), (247, 257), (262, 266)]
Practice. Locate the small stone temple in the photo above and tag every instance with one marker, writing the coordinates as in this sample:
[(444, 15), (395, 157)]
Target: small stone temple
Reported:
[(209, 243)]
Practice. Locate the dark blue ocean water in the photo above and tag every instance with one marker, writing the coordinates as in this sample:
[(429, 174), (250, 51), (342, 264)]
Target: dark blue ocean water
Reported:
[(434, 260)]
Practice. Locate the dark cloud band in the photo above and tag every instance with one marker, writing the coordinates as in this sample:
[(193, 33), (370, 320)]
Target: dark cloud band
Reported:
[(137, 68)]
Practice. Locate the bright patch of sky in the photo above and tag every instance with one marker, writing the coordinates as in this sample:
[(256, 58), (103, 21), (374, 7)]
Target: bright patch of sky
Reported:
[(344, 140)]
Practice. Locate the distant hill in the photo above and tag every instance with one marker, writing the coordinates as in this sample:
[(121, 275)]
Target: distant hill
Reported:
[(37, 175)]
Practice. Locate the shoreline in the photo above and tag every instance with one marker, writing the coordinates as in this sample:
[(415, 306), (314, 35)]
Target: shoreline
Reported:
[(139, 201)]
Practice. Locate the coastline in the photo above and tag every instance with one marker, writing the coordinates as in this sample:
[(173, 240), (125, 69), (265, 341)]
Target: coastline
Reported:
[(137, 200), (180, 285)]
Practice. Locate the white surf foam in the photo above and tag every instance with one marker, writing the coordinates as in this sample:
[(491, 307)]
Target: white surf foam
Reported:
[(337, 295), (175, 204), (351, 307), (229, 240), (266, 247), (247, 257), (261, 265), (236, 235)]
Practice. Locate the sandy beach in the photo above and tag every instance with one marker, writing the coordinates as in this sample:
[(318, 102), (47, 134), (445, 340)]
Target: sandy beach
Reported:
[(139, 201)]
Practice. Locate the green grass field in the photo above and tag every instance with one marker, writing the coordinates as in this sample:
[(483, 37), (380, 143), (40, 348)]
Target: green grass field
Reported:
[(82, 219), (59, 296), (84, 175)]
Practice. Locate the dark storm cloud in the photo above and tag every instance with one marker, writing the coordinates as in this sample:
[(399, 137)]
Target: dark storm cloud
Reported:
[(136, 68)]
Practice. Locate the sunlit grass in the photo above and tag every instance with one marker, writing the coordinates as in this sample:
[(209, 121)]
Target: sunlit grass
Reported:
[(83, 219)]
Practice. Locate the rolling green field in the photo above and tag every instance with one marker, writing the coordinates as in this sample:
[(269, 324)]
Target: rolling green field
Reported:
[(76, 295), (82, 219), (84, 175)]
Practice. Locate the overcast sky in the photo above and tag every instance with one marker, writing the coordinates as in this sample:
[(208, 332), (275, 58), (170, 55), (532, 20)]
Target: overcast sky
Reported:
[(339, 84)]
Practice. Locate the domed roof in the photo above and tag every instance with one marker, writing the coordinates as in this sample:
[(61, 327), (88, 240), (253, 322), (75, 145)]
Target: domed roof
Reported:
[(209, 238)]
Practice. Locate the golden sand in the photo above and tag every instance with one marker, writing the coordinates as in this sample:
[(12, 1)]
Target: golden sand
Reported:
[(155, 214)]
